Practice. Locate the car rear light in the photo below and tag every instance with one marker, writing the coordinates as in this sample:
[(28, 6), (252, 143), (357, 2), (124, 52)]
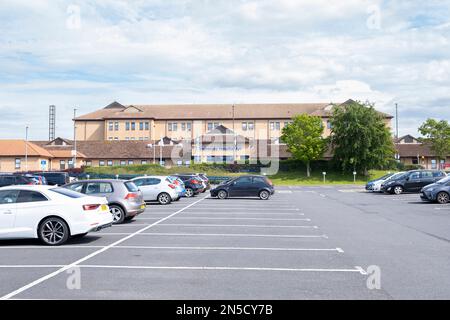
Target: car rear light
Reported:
[(172, 186), (89, 207), (195, 181), (131, 196), (270, 182)]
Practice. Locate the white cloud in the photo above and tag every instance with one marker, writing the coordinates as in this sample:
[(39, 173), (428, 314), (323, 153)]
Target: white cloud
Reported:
[(221, 51)]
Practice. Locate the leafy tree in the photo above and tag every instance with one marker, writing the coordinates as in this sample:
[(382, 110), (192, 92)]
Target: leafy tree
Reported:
[(437, 134), (304, 139), (359, 137)]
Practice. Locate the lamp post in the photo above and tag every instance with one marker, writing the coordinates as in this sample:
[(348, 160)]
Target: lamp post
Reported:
[(26, 148), (74, 138), (160, 151)]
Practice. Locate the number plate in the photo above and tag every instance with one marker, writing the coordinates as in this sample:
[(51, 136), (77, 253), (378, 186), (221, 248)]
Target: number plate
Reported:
[(104, 207), (143, 206)]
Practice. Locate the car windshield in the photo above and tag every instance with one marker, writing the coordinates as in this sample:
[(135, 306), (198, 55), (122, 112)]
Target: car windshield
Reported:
[(397, 176), (444, 180), (67, 192), (386, 176)]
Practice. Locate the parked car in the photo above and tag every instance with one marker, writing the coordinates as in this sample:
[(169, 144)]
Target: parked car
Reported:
[(37, 179), (181, 188), (157, 188), (52, 214), (376, 186), (55, 178), (371, 184), (245, 186), (124, 198), (437, 192), (412, 181), (13, 179), (205, 180), (193, 184)]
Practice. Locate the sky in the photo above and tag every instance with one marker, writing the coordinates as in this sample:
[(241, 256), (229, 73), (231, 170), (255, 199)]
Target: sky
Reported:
[(87, 54)]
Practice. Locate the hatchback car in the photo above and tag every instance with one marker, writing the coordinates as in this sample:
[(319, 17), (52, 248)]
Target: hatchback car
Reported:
[(437, 192), (124, 198), (245, 186), (157, 188), (52, 214), (371, 184), (55, 178), (412, 181)]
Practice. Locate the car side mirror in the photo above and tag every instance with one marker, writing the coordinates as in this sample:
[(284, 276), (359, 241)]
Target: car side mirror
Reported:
[(407, 179)]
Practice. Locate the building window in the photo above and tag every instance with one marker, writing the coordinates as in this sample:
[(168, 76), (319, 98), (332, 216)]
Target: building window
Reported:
[(328, 124), (101, 163), (415, 161), (127, 138), (162, 163), (123, 163), (116, 126), (187, 163), (250, 126), (62, 164), (18, 162), (116, 138), (132, 138), (141, 126), (133, 126), (172, 126), (127, 126), (110, 126), (70, 164), (179, 163), (147, 126), (130, 162), (244, 126), (143, 161), (110, 138), (274, 125), (110, 163), (183, 126), (189, 126), (88, 163), (433, 164)]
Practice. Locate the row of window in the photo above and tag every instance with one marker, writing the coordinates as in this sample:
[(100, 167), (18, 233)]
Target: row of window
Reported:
[(129, 126), (110, 163), (130, 138), (185, 126)]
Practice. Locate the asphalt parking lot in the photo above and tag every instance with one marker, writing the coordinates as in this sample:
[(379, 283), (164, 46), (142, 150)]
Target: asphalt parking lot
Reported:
[(303, 243)]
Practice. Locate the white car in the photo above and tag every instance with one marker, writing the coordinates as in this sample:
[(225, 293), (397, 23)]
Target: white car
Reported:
[(157, 188), (50, 213), (377, 185)]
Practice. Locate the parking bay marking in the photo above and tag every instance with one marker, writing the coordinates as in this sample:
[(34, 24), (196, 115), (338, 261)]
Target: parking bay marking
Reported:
[(356, 268), (339, 250), (79, 261), (217, 235)]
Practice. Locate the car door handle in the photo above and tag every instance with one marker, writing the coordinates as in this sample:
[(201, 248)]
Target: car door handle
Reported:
[(7, 212)]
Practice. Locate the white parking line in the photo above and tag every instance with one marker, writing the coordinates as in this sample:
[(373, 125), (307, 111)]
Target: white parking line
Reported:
[(240, 218), (227, 214), (79, 261), (217, 235), (231, 225), (339, 250), (442, 208), (356, 269)]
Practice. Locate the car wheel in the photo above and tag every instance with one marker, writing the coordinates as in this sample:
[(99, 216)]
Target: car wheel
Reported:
[(264, 195), (117, 213), (222, 194), (53, 231), (442, 197), (164, 198), (189, 192), (398, 189)]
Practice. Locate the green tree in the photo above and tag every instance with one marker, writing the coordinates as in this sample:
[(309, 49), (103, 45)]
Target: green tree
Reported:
[(437, 134), (359, 137), (303, 137)]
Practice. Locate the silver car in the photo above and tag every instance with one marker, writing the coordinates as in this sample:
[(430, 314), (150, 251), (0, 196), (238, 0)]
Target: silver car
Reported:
[(125, 200)]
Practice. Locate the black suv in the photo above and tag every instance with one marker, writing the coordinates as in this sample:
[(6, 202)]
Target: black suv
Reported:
[(412, 181), (13, 180), (245, 186), (55, 178)]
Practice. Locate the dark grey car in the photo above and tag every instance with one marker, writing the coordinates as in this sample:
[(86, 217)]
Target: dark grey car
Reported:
[(125, 200), (437, 192)]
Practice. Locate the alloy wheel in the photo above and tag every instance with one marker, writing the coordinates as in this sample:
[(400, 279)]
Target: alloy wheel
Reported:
[(264, 195), (398, 190), (164, 198), (189, 192), (442, 198), (53, 231), (222, 194), (116, 213)]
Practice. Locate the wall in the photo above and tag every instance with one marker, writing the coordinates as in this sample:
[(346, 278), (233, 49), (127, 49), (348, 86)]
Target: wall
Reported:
[(7, 164), (90, 130)]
